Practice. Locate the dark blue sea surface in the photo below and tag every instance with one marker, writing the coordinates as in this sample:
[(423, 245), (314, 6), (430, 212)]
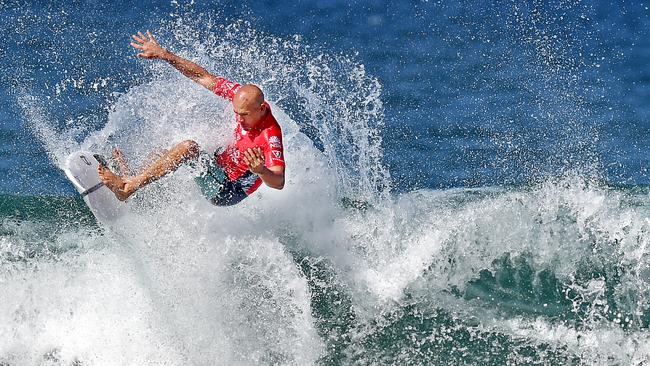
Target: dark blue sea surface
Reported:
[(468, 185), (474, 93)]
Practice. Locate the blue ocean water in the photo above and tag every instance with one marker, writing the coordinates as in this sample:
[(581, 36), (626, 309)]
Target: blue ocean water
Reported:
[(468, 185)]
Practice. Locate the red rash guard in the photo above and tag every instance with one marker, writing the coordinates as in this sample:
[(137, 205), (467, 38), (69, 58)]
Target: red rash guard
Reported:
[(267, 136)]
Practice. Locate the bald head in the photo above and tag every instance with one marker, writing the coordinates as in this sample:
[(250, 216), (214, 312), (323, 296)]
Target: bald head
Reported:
[(250, 94), (249, 106)]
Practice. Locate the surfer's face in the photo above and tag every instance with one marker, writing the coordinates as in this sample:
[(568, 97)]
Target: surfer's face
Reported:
[(248, 112)]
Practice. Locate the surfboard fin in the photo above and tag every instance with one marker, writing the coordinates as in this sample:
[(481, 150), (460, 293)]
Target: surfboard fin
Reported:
[(101, 160)]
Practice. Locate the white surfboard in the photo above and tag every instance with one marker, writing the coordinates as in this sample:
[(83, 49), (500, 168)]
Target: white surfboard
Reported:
[(81, 169)]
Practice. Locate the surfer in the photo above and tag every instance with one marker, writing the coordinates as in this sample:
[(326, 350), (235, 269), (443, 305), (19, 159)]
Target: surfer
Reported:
[(224, 177)]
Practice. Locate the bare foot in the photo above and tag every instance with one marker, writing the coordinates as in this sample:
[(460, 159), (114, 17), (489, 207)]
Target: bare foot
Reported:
[(118, 185), (121, 162)]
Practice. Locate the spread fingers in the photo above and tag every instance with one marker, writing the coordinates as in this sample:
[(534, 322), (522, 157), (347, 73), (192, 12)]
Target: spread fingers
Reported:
[(137, 39)]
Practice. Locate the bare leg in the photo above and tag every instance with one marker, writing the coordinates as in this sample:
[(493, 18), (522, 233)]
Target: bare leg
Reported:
[(124, 186), (152, 158)]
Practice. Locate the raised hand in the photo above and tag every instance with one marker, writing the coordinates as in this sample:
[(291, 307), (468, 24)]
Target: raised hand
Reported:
[(148, 45), (254, 158)]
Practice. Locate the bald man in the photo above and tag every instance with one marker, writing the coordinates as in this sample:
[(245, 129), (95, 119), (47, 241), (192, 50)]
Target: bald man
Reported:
[(225, 178)]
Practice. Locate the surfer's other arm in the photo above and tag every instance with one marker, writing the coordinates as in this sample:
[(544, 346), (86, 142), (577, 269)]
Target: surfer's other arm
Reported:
[(272, 176), (149, 48)]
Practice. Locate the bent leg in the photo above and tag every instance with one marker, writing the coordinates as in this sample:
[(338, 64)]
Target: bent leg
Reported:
[(123, 187), (152, 158), (167, 163)]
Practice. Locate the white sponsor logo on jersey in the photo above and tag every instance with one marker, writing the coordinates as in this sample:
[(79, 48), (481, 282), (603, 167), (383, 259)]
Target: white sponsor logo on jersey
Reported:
[(229, 85), (277, 154), (274, 141)]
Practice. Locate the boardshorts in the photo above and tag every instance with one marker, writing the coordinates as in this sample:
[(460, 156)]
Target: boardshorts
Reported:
[(214, 183)]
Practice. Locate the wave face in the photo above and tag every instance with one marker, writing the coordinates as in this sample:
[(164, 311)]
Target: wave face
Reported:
[(348, 264), (553, 273)]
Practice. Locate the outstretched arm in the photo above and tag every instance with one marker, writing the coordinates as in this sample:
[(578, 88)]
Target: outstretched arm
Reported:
[(149, 48)]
